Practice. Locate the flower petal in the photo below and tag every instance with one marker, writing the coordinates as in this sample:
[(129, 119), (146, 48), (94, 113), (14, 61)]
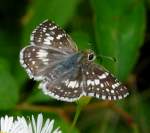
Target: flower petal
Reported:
[(39, 123)]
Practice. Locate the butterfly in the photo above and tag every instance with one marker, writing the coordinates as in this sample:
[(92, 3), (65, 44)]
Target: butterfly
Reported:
[(66, 73)]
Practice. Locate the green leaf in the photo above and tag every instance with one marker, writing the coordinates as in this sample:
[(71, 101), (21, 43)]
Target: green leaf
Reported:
[(9, 49), (38, 96), (9, 46), (82, 39), (8, 89), (20, 74), (119, 28)]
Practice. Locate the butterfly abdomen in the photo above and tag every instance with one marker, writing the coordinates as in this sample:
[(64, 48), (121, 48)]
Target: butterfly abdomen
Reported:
[(71, 61), (65, 66)]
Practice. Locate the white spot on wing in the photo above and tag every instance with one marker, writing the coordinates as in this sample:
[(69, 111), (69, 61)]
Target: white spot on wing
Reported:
[(42, 53), (72, 84), (97, 95), (87, 73), (93, 73), (33, 49), (97, 82), (103, 97), (107, 89), (104, 75), (102, 85), (114, 97), (50, 38), (125, 95), (45, 59), (115, 85), (38, 78), (119, 97), (52, 28), (91, 94), (90, 82), (97, 89), (59, 36), (109, 97), (112, 91), (75, 91), (31, 38), (66, 82), (77, 85), (47, 42)]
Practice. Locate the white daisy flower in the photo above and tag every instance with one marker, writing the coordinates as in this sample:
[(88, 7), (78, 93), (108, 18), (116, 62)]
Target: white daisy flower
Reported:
[(21, 125), (8, 125)]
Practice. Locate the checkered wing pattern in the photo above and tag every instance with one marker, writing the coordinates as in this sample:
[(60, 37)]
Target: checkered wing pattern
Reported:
[(50, 35), (68, 88), (102, 84), (49, 45), (36, 60)]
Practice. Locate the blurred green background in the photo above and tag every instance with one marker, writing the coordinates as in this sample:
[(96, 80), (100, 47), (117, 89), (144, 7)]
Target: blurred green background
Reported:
[(115, 28)]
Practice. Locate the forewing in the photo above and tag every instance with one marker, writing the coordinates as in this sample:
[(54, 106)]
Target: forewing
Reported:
[(69, 88), (36, 60), (102, 84), (48, 34)]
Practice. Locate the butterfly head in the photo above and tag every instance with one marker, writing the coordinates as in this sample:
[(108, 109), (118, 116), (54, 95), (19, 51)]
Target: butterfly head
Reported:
[(89, 55)]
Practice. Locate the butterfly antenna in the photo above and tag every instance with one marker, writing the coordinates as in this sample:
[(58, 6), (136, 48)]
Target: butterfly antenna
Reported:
[(113, 59)]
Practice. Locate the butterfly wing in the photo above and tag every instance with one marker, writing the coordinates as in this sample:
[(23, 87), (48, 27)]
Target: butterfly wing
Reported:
[(103, 85), (69, 88), (49, 45), (36, 60), (50, 35)]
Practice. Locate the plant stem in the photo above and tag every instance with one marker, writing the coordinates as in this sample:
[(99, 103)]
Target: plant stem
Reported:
[(78, 110)]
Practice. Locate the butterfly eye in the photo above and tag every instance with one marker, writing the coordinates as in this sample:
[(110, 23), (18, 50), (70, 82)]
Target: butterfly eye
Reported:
[(91, 56)]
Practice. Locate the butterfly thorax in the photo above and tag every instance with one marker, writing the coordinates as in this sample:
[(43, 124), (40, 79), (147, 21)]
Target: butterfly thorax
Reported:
[(72, 60), (66, 66)]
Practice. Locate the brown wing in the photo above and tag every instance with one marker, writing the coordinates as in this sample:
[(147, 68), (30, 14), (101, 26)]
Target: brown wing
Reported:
[(69, 88), (36, 60), (50, 35), (103, 85)]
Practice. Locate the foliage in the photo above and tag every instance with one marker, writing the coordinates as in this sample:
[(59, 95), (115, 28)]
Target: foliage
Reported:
[(114, 28)]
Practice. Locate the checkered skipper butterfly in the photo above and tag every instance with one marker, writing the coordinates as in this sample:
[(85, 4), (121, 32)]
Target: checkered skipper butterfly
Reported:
[(64, 72)]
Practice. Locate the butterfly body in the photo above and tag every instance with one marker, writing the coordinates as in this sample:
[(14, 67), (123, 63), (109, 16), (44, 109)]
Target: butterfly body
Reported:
[(64, 72), (67, 66)]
